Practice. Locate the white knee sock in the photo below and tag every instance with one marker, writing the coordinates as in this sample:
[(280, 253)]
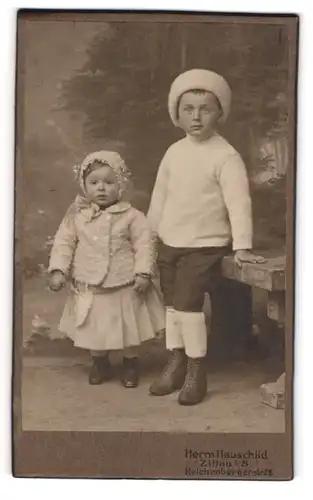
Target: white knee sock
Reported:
[(172, 330), (207, 309), (194, 333)]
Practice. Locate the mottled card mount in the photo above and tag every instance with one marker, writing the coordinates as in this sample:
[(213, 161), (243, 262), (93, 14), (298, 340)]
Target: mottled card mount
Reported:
[(43, 447)]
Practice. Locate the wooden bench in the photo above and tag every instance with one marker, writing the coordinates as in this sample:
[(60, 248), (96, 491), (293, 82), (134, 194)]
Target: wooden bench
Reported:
[(269, 276)]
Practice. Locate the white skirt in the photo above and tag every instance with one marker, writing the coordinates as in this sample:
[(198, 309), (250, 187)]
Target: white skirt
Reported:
[(115, 319)]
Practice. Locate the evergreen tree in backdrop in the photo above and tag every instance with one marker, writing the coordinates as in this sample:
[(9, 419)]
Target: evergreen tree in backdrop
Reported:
[(122, 90)]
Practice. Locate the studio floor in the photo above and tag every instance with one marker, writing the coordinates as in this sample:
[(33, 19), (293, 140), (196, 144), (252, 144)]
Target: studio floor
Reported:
[(56, 396)]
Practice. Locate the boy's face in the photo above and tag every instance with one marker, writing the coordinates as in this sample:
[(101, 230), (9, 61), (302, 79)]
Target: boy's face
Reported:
[(101, 186), (198, 113)]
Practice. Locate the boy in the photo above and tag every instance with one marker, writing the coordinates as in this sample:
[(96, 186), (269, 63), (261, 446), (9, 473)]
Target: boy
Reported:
[(200, 206)]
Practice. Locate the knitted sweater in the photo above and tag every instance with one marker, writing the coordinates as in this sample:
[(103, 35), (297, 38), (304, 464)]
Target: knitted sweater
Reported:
[(107, 249), (201, 196)]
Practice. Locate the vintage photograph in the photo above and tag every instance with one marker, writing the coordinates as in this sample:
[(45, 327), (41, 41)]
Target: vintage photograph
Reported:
[(155, 164)]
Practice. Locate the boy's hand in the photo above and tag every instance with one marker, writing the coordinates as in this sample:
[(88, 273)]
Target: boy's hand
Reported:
[(247, 256), (57, 281), (142, 284)]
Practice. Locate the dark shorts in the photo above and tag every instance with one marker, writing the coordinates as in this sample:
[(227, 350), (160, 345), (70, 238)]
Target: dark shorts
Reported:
[(187, 274)]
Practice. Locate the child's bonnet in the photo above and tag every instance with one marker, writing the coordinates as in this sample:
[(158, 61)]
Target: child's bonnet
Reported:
[(109, 158)]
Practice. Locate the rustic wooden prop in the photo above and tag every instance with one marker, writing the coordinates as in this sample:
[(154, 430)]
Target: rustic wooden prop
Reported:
[(269, 276)]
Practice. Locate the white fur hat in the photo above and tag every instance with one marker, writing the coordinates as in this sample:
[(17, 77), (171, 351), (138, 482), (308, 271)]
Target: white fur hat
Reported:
[(199, 79)]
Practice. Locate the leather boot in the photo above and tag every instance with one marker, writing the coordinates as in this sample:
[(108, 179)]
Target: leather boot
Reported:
[(101, 370), (195, 386), (172, 376), (130, 372)]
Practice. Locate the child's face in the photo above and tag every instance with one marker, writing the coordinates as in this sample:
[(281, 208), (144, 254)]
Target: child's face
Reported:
[(198, 114), (101, 186)]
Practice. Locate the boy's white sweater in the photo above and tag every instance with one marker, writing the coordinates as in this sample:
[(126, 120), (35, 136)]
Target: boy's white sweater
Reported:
[(201, 196)]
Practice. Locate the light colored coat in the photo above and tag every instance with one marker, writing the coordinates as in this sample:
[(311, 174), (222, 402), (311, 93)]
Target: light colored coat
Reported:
[(103, 248)]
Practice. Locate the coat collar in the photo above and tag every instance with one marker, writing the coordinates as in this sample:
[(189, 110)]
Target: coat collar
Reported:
[(122, 206), (92, 210)]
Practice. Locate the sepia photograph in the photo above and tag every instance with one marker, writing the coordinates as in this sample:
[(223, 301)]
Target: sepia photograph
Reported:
[(154, 241)]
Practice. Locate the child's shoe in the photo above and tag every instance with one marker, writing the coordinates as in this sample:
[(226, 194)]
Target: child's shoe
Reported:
[(173, 375), (130, 373), (101, 370), (195, 386)]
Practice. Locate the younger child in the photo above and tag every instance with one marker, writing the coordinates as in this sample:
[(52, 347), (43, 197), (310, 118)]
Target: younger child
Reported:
[(105, 247), (199, 207)]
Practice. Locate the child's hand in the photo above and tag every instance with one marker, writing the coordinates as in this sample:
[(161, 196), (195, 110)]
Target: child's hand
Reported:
[(142, 284), (247, 256), (57, 281), (160, 335)]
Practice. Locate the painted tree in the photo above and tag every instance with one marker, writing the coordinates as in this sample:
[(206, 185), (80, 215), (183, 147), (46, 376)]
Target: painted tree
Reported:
[(122, 89), (131, 66)]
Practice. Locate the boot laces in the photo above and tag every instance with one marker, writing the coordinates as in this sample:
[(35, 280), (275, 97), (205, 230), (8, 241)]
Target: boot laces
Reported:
[(169, 366), (192, 370)]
